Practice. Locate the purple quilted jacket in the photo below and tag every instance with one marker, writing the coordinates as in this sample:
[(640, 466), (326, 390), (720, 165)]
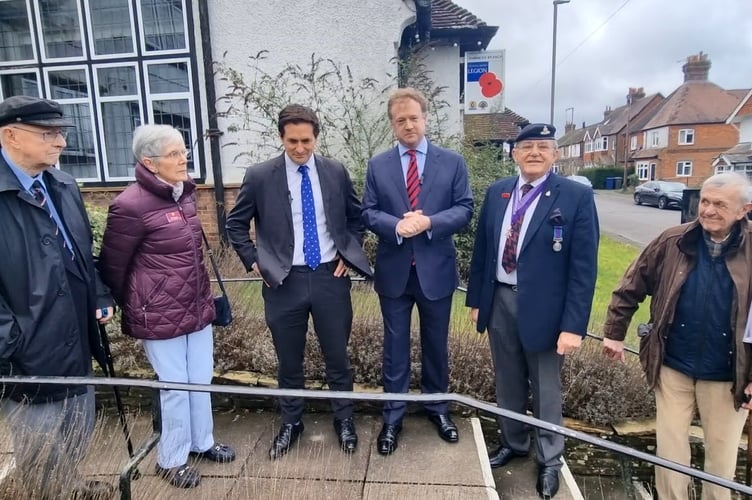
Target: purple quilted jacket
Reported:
[(153, 262)]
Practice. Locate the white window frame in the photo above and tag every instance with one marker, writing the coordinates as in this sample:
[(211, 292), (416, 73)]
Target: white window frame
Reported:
[(686, 132), (683, 164), (655, 139), (78, 100), (44, 58), (589, 147), (174, 96), (142, 35), (119, 98), (90, 30), (642, 169), (33, 41), (16, 71), (604, 143), (633, 143)]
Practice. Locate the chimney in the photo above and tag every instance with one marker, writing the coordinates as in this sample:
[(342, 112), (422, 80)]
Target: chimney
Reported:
[(606, 112), (635, 93), (583, 124), (696, 68), (569, 127)]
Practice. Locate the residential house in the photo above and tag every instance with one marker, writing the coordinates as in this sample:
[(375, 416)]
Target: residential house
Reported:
[(689, 129), (739, 157), (115, 64), (571, 151)]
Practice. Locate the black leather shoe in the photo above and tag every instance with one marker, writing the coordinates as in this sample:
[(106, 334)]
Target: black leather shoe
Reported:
[(184, 476), (218, 452), (503, 456), (548, 481), (387, 441), (288, 434), (345, 429), (92, 490), (445, 426)]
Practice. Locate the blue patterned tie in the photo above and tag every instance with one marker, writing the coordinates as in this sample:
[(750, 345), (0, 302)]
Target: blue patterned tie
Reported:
[(311, 249)]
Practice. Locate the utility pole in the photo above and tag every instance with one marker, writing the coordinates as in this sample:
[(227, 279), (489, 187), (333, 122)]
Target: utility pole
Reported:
[(553, 59)]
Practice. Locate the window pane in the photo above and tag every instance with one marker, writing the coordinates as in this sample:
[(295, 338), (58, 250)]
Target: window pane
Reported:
[(163, 24), (68, 84), (79, 157), (15, 37), (168, 78), (119, 120), (176, 113), (19, 84), (117, 81), (60, 28), (111, 26)]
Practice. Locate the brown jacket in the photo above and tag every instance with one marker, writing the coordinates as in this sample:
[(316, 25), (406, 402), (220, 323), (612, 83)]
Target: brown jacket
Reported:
[(660, 271)]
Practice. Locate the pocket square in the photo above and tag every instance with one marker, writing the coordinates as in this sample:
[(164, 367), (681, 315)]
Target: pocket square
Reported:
[(556, 219)]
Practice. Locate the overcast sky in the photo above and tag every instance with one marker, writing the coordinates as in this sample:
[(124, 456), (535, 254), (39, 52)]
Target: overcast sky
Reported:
[(606, 46)]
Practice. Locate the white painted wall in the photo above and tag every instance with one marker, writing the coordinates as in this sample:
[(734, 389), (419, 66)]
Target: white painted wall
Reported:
[(745, 129), (444, 64), (363, 34)]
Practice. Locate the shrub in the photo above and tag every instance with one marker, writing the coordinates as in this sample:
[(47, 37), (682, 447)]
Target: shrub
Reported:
[(98, 222), (598, 175)]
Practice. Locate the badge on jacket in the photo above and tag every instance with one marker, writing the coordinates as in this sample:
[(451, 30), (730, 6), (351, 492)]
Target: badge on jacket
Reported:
[(173, 217)]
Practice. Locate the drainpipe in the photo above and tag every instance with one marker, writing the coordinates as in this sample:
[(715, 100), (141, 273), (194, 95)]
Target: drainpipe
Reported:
[(213, 132)]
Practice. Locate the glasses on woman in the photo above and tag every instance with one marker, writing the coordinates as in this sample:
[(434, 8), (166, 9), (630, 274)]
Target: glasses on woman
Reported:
[(47, 135), (174, 155)]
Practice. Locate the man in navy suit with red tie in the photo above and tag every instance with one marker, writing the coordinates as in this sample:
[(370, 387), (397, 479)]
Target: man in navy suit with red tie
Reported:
[(532, 279), (416, 197)]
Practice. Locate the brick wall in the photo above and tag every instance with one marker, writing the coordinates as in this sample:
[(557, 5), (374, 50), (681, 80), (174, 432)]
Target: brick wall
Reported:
[(207, 212)]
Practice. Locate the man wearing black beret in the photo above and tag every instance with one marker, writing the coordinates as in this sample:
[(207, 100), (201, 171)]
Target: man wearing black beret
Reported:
[(532, 279), (51, 300)]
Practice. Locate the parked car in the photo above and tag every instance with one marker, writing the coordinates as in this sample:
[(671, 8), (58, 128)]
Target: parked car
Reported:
[(581, 179), (662, 194)]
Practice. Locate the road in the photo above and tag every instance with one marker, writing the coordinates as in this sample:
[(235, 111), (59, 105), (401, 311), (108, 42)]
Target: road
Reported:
[(636, 224)]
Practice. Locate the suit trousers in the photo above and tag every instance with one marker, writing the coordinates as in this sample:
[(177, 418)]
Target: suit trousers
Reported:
[(187, 422), (517, 374), (49, 441), (326, 299), (434, 333), (675, 397)]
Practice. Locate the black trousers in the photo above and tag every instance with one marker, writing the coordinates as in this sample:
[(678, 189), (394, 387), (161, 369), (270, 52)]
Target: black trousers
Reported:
[(326, 299)]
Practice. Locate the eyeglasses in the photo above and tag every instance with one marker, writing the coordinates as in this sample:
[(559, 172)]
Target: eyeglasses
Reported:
[(47, 135), (542, 146), (174, 155)]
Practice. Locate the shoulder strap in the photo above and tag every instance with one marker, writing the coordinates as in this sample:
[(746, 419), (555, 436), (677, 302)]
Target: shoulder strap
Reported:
[(214, 263)]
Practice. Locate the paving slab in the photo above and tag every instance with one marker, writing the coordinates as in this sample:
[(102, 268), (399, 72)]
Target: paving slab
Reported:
[(154, 488), (295, 489), (385, 491)]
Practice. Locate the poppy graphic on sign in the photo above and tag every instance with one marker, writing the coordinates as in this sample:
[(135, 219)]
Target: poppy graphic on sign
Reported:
[(490, 85)]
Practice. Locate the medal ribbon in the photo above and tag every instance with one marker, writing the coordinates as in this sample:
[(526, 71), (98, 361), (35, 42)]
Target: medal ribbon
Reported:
[(519, 207)]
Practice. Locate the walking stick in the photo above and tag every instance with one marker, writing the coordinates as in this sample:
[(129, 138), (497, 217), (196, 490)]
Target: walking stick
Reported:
[(110, 369)]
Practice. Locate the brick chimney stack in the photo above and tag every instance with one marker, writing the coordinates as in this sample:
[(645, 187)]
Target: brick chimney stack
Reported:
[(696, 68), (606, 112), (569, 127), (634, 94)]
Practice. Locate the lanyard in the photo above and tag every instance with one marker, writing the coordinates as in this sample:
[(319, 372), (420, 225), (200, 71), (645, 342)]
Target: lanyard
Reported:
[(519, 207)]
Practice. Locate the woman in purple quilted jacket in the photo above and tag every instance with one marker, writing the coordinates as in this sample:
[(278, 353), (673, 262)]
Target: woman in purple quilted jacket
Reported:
[(153, 262)]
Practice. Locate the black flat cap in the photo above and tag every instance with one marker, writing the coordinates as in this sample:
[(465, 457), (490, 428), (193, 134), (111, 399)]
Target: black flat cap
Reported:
[(537, 132), (32, 110)]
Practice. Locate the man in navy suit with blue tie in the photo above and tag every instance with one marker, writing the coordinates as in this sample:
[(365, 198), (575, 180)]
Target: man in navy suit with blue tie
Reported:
[(532, 279), (416, 197)]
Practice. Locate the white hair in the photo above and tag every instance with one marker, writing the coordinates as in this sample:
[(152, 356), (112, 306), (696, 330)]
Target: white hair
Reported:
[(150, 140), (733, 179)]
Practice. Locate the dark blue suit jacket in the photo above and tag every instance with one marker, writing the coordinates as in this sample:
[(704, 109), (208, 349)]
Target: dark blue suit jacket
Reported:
[(445, 197), (555, 289)]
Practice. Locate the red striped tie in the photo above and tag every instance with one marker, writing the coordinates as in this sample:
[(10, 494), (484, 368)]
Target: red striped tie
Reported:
[(413, 181)]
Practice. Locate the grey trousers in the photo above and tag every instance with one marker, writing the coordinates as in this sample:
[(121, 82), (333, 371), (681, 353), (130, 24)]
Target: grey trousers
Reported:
[(519, 373), (49, 441)]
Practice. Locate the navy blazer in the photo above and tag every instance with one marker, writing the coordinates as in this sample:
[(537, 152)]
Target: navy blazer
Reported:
[(264, 197), (554, 289), (445, 197)]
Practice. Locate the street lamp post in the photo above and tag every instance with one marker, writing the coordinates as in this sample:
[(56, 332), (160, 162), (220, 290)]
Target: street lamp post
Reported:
[(553, 59)]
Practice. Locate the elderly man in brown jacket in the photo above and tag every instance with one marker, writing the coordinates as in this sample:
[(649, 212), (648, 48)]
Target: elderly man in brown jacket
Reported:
[(698, 275)]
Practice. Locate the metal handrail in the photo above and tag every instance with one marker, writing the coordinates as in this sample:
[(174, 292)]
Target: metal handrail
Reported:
[(357, 396)]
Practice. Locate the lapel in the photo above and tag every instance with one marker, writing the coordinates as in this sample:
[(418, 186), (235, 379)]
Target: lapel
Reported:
[(545, 203), (430, 172), (394, 172), (499, 207), (282, 192)]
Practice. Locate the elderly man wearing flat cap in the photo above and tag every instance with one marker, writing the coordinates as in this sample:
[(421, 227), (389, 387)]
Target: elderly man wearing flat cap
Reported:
[(531, 285), (51, 300)]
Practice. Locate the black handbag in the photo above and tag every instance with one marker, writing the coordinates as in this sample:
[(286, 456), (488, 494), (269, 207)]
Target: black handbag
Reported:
[(221, 302)]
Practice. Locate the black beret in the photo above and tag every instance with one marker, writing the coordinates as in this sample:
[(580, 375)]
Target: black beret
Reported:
[(32, 110), (537, 132)]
